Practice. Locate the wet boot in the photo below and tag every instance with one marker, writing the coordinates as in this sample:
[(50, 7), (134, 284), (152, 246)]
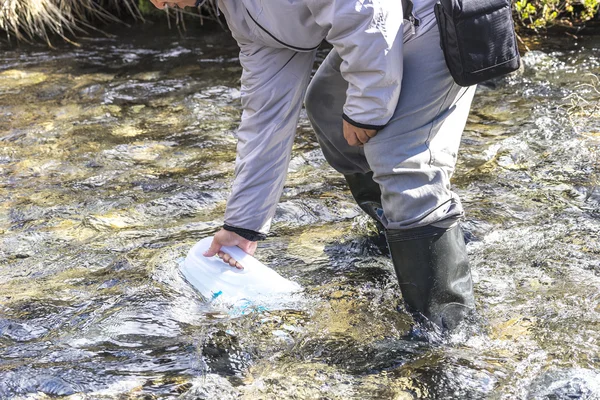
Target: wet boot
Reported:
[(433, 271), (367, 194)]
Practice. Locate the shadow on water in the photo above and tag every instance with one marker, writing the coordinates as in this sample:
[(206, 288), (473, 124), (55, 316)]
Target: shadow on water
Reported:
[(117, 156)]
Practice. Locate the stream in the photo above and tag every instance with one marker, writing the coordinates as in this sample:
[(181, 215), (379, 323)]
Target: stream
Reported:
[(117, 156)]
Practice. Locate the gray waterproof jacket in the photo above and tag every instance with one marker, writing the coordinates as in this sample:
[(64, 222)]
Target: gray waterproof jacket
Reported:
[(278, 41)]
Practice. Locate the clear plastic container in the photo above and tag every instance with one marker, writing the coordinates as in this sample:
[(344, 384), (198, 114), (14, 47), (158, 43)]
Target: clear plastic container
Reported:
[(215, 279)]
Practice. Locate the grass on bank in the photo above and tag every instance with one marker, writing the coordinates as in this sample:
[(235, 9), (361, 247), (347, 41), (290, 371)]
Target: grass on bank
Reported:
[(28, 20), (32, 20)]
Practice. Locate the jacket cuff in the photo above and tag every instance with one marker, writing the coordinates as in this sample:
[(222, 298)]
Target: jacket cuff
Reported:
[(363, 126), (247, 234)]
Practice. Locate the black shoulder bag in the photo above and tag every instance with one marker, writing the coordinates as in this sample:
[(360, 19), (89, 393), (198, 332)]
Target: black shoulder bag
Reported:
[(478, 39)]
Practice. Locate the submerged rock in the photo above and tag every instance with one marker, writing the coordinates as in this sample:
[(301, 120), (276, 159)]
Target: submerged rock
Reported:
[(566, 384)]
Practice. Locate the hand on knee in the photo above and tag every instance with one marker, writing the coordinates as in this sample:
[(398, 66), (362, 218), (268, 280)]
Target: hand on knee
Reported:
[(356, 136)]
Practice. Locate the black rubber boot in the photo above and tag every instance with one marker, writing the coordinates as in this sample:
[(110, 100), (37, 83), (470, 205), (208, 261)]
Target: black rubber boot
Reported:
[(433, 271), (367, 194)]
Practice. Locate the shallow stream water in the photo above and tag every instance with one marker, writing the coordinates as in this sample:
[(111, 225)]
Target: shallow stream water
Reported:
[(117, 156)]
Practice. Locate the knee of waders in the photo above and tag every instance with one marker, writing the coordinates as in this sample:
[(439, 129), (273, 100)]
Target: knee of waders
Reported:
[(311, 101)]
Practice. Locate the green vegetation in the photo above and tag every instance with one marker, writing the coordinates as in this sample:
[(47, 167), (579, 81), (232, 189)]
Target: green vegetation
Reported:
[(542, 14)]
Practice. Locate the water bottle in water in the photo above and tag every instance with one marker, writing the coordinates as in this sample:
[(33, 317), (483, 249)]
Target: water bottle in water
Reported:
[(216, 280)]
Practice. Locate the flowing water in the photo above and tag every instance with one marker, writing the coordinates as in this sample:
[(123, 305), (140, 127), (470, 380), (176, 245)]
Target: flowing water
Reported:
[(117, 156)]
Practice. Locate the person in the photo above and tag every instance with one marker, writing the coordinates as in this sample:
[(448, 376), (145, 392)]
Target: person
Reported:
[(387, 115)]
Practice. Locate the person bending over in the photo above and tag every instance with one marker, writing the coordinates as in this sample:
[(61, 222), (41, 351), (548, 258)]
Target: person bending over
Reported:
[(387, 115)]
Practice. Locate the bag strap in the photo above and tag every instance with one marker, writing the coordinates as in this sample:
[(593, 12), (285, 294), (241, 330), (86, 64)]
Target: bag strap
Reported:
[(407, 8), (407, 11)]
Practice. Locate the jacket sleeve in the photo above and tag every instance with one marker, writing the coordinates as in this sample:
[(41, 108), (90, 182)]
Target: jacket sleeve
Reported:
[(368, 36), (274, 81)]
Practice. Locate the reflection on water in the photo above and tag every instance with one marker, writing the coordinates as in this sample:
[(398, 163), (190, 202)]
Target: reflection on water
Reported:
[(117, 157)]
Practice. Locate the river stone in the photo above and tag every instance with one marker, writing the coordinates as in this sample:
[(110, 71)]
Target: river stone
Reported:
[(139, 151), (404, 396), (137, 108), (112, 221), (127, 131), (147, 76), (513, 329), (113, 109), (14, 77), (568, 383), (211, 386)]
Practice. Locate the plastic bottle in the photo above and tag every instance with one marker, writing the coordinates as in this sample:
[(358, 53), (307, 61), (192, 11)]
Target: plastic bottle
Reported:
[(215, 279)]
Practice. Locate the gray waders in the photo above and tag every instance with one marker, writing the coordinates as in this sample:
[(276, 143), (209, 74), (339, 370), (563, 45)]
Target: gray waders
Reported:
[(433, 272), (405, 171), (367, 195), (431, 263)]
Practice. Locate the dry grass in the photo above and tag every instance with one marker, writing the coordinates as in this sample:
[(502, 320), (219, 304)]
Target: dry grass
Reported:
[(27, 20), (32, 20)]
